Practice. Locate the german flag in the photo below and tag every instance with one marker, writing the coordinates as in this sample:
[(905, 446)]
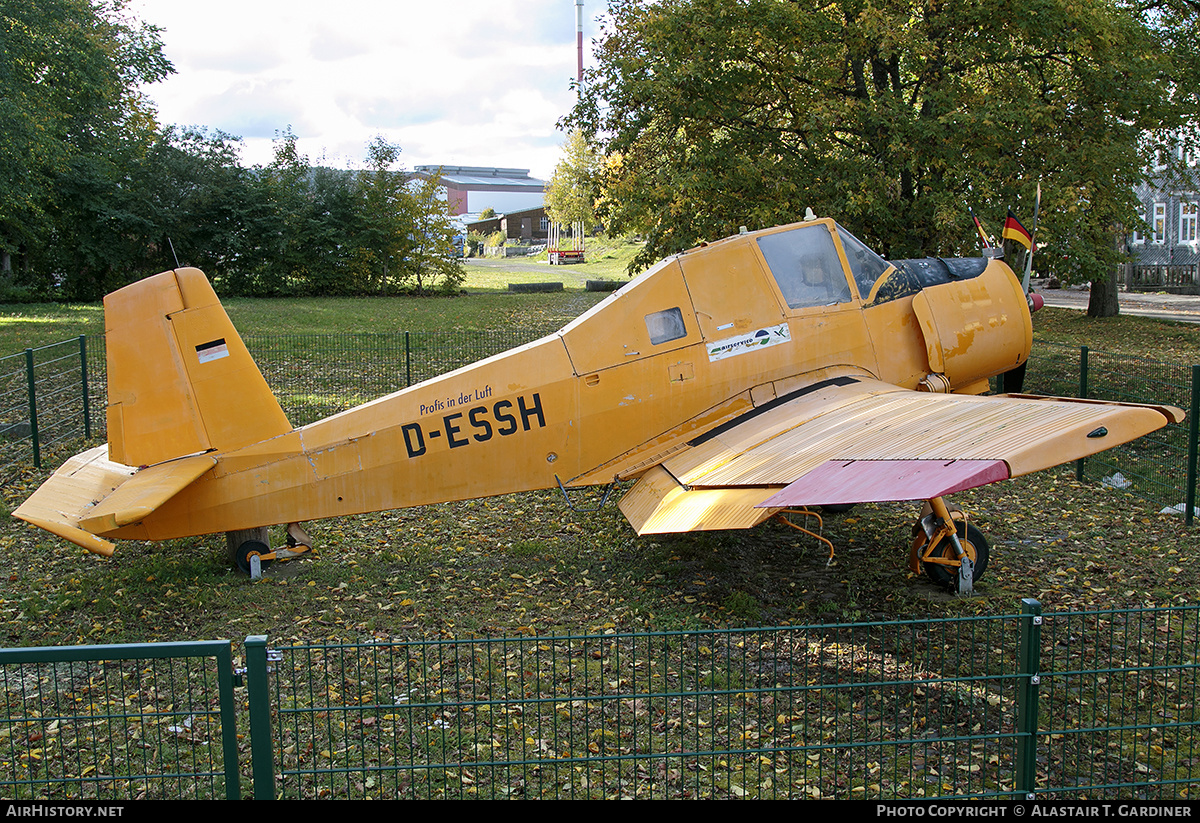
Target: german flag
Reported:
[(987, 244), (1013, 230)]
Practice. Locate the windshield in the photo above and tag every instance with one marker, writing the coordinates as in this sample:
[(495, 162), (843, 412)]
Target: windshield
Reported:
[(865, 265), (805, 264)]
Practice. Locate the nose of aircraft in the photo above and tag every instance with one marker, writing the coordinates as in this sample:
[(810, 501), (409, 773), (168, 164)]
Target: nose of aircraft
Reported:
[(1036, 301)]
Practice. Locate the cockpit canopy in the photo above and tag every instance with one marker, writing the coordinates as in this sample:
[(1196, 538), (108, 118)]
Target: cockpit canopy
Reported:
[(808, 269)]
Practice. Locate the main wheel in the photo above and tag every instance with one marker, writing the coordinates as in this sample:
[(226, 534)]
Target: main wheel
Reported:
[(837, 508), (976, 547)]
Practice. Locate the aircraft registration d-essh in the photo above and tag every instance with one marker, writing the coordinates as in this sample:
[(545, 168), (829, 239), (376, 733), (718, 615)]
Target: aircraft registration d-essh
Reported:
[(766, 373)]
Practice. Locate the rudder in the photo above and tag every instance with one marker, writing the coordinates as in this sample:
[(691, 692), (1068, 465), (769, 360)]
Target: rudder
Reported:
[(180, 380)]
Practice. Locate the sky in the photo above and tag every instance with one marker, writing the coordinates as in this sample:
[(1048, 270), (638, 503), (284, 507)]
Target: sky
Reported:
[(453, 82)]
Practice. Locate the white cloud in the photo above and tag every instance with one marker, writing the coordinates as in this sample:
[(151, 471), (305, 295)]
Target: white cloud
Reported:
[(468, 82)]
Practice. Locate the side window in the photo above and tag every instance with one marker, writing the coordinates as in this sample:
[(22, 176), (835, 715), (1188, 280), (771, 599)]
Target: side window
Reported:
[(806, 266), (1187, 222), (665, 326)]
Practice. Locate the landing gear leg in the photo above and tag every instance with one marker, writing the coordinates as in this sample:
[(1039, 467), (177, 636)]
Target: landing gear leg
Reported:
[(950, 551), (807, 513), (297, 536)]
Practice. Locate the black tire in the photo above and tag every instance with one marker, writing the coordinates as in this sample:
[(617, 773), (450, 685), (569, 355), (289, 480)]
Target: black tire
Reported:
[(838, 508), (977, 549), (247, 550), (236, 540)]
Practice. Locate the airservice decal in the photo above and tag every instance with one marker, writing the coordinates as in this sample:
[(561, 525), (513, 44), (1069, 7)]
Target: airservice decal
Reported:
[(750, 341)]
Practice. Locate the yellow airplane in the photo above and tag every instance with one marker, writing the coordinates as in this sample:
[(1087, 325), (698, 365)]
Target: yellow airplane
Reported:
[(769, 372)]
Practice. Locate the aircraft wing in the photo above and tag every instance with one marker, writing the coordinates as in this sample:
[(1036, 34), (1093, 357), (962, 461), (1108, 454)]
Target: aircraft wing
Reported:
[(856, 440)]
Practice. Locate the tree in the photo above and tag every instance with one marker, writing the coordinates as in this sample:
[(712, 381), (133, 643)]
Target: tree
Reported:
[(386, 221), (336, 219), (433, 256), (571, 195), (891, 116), (73, 127), (275, 256)]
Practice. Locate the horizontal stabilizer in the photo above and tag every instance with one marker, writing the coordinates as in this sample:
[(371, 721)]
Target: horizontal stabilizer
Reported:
[(141, 494), (91, 495), (79, 537)]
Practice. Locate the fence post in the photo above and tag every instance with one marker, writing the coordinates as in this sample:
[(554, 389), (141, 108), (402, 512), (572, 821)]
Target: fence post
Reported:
[(1189, 497), (1029, 672), (87, 413), (407, 362), (33, 426), (229, 743), (262, 754), (1083, 393)]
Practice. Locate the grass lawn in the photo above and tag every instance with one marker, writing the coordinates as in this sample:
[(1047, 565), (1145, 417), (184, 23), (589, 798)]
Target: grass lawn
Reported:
[(1177, 343), (38, 324), (606, 260), (381, 314), (457, 562), (29, 325)]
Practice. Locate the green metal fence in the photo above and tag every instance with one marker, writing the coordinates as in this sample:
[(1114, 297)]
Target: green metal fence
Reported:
[(1098, 705), (314, 376), (153, 720), (880, 710), (1117, 711), (44, 400), (1160, 467), (1093, 705)]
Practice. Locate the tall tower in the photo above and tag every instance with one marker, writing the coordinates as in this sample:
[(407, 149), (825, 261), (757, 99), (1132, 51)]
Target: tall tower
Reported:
[(579, 41)]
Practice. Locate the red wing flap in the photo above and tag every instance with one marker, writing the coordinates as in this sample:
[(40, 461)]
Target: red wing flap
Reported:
[(878, 481)]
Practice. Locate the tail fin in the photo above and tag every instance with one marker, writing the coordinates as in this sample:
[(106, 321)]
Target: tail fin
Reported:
[(180, 380)]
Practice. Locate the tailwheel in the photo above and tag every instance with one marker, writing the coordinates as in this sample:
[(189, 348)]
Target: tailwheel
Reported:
[(244, 554), (245, 544), (973, 543)]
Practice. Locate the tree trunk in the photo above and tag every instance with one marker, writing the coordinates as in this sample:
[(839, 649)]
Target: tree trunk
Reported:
[(1103, 299)]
